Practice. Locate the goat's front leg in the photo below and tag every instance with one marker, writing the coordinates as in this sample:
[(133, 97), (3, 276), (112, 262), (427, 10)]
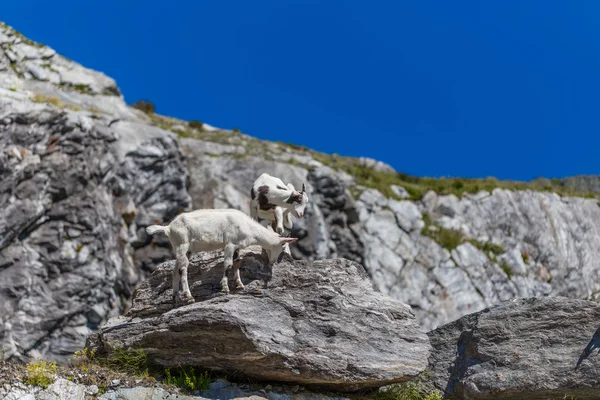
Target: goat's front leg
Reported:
[(279, 220), (182, 265), (227, 263)]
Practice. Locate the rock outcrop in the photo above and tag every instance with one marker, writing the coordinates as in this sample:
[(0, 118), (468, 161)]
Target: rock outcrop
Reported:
[(317, 323), (521, 349)]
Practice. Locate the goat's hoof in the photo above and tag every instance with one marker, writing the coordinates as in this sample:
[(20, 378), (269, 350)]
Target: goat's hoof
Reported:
[(225, 289), (188, 300), (240, 286)]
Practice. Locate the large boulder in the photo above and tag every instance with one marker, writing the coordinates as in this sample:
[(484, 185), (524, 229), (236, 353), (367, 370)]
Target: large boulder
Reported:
[(534, 348), (312, 323)]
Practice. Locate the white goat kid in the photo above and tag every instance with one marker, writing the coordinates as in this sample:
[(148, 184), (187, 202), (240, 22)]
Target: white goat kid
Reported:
[(208, 230), (276, 202)]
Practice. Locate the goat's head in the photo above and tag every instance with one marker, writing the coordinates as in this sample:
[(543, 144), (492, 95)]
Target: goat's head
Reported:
[(275, 251), (298, 200)]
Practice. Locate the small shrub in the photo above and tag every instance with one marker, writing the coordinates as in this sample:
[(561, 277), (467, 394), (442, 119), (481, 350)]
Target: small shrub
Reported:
[(145, 106), (40, 373), (236, 130), (83, 358), (196, 125), (187, 379)]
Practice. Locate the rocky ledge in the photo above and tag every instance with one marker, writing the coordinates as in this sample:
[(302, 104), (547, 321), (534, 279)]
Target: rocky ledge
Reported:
[(319, 324)]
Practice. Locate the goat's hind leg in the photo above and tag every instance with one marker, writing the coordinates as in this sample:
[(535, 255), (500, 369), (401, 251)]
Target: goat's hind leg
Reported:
[(176, 279), (182, 265), (236, 270), (227, 263)]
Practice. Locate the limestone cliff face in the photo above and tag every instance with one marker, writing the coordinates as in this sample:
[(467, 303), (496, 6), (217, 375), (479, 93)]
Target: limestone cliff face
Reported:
[(82, 174)]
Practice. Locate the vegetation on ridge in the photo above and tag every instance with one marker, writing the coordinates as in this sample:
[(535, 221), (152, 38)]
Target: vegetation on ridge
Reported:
[(365, 175)]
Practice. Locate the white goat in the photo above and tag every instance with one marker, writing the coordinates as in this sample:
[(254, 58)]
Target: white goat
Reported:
[(208, 230), (274, 201)]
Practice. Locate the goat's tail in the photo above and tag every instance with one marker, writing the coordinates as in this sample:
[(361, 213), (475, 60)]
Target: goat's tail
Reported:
[(154, 229)]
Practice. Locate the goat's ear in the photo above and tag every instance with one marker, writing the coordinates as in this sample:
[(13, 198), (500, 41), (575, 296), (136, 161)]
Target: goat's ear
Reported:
[(287, 240), (303, 187)]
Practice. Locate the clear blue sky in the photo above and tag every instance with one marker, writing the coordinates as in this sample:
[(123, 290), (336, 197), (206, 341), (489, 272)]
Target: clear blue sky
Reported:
[(435, 88)]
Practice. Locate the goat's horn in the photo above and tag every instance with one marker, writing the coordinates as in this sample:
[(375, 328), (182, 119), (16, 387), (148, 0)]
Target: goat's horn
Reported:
[(303, 187)]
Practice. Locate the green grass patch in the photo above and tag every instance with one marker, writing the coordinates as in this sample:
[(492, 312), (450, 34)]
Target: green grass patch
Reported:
[(447, 238), (131, 361), (40, 373), (451, 239), (187, 378)]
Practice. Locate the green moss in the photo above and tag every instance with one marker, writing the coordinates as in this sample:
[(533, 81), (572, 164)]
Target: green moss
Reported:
[(507, 270), (40, 373)]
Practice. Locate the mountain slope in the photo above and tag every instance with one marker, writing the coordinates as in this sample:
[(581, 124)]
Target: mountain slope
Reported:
[(83, 174)]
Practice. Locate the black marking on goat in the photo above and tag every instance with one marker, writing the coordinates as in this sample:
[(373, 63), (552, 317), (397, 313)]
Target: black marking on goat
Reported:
[(294, 198), (252, 194), (263, 201)]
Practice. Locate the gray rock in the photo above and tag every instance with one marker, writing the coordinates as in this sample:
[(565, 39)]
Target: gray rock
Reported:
[(64, 389), (312, 323), (378, 166), (400, 191), (521, 349)]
